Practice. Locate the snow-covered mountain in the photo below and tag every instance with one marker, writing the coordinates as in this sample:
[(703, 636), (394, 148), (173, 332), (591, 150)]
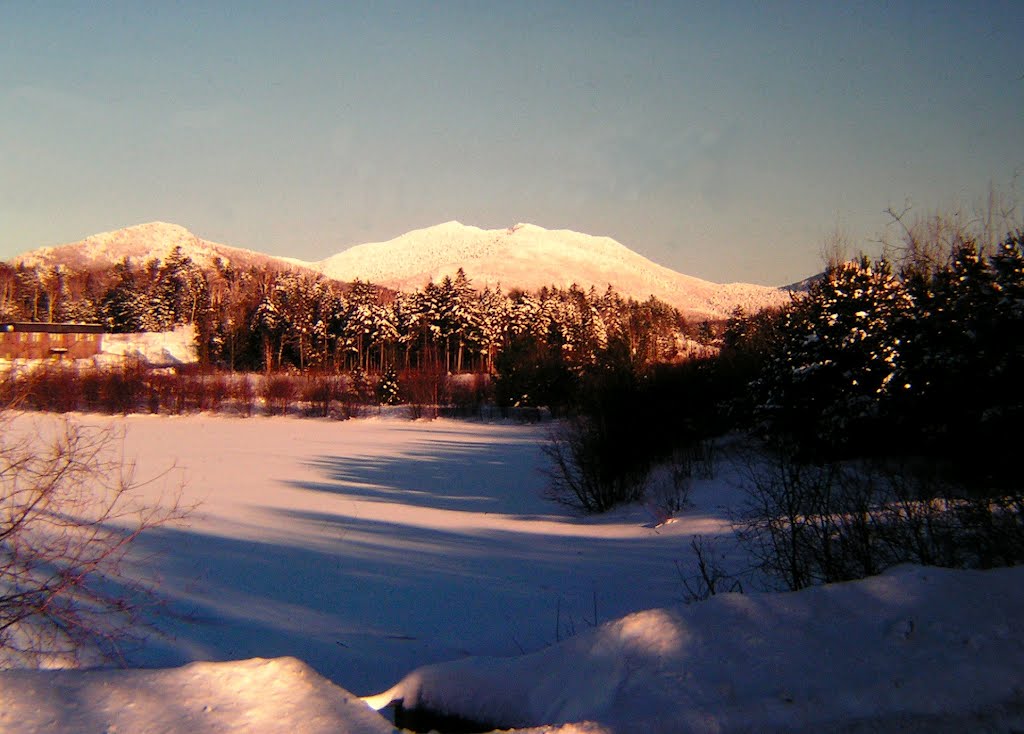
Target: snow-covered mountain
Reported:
[(141, 243), (530, 257), (523, 256)]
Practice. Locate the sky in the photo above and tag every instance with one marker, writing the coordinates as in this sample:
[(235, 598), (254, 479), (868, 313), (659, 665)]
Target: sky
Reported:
[(726, 141)]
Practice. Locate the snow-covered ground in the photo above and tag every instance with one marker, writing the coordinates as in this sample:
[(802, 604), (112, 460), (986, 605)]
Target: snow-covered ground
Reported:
[(421, 559)]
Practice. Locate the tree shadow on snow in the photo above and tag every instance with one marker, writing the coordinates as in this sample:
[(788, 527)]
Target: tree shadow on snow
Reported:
[(366, 601), (443, 474)]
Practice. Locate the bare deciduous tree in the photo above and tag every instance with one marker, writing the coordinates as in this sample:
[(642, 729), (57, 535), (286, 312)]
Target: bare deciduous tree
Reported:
[(70, 511)]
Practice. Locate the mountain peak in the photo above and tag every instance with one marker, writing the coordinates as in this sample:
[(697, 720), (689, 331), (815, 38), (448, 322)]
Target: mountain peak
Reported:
[(140, 243), (523, 255), (529, 256)]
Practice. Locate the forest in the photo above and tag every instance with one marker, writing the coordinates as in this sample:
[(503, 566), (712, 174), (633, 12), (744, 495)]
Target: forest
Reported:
[(257, 319)]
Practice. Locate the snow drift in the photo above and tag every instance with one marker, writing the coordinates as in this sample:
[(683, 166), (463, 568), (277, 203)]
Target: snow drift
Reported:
[(914, 650), (280, 696), (918, 649)]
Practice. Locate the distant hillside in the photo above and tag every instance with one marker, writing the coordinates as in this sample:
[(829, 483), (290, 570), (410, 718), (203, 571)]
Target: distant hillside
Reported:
[(524, 256), (141, 243), (530, 257)]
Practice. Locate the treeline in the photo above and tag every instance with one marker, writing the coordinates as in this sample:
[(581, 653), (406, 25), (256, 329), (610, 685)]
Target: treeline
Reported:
[(882, 410), (918, 357), (263, 319), (921, 358)]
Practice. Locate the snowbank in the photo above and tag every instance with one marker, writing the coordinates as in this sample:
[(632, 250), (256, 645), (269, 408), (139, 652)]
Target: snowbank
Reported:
[(916, 650), (919, 649), (255, 696), (156, 349)]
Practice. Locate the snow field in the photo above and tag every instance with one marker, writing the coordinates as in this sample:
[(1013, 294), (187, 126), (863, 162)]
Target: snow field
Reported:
[(421, 559), (369, 547)]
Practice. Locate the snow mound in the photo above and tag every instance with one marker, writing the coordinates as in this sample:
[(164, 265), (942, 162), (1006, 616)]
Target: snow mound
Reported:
[(258, 696), (918, 649)]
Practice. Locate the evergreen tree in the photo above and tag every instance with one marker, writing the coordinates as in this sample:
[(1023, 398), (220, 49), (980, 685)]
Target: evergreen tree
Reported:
[(388, 390), (124, 306), (494, 309), (359, 385), (834, 366), (1006, 415)]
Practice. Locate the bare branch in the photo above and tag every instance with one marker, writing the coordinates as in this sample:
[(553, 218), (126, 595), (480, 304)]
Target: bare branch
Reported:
[(70, 512)]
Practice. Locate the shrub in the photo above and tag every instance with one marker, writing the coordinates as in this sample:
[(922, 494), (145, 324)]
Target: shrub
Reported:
[(279, 391), (218, 389), (587, 471), (69, 515), (54, 387), (319, 391), (121, 388), (711, 577), (626, 424), (425, 390), (244, 393), (810, 523), (670, 481)]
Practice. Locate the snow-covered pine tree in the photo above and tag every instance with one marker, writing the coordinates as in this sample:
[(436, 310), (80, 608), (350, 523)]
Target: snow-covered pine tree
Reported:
[(359, 386), (466, 319), (124, 305), (388, 390), (494, 308), (834, 367)]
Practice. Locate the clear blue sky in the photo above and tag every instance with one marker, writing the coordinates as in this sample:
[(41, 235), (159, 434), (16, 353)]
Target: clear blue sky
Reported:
[(723, 141)]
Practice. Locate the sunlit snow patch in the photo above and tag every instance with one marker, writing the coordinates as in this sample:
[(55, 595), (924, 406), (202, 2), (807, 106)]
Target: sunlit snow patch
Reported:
[(921, 649)]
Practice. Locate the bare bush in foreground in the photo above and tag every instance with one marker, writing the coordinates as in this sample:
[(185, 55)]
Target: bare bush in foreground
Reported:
[(808, 524), (711, 577), (587, 471), (69, 515)]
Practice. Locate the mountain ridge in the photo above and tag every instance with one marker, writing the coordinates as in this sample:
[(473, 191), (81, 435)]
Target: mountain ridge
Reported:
[(529, 256), (524, 256), (141, 242)]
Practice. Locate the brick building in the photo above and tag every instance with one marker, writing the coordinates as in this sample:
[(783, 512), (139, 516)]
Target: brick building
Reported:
[(46, 341)]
